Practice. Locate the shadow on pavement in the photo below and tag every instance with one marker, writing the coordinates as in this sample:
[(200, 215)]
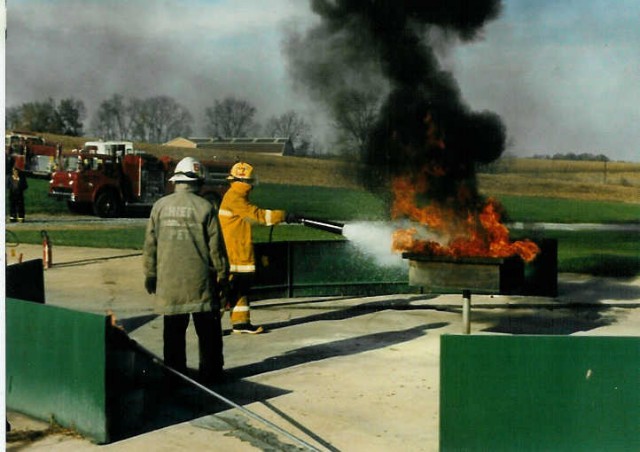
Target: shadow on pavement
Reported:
[(182, 402), (547, 320), (95, 260), (596, 290), (333, 313), (581, 307), (142, 395), (148, 398), (333, 349), (133, 323)]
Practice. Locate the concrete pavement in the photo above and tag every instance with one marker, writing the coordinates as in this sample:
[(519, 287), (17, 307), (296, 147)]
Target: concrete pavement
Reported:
[(339, 373)]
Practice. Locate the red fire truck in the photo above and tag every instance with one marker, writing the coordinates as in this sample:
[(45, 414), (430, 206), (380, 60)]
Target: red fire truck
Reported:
[(123, 179), (31, 153)]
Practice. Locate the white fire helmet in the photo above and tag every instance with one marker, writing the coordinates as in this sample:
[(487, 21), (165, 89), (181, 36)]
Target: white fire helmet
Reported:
[(188, 170)]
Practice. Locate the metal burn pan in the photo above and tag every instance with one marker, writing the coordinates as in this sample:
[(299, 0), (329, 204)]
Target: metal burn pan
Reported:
[(482, 275)]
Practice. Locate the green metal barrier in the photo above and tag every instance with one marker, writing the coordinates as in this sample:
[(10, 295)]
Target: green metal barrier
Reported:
[(25, 281), (539, 393), (337, 268), (56, 367), (323, 268), (73, 368)]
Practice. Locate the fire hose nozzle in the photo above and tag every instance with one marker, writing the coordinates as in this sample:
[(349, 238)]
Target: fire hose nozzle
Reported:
[(323, 225)]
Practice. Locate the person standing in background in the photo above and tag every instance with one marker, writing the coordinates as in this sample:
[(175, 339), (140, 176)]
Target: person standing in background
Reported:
[(16, 185)]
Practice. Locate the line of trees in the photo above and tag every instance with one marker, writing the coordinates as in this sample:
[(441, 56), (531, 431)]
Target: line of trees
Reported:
[(155, 120), (159, 119), (585, 156), (63, 118)]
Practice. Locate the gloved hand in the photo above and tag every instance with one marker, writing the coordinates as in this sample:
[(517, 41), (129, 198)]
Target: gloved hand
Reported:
[(291, 218), (223, 290), (222, 281), (150, 284)]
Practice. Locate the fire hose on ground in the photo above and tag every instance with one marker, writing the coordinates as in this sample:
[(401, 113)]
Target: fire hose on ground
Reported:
[(157, 360)]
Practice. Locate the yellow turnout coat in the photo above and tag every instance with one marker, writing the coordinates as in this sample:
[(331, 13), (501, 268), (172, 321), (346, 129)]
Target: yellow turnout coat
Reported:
[(236, 214)]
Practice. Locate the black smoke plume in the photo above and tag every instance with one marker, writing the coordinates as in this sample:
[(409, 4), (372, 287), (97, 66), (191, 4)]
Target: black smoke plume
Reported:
[(387, 46)]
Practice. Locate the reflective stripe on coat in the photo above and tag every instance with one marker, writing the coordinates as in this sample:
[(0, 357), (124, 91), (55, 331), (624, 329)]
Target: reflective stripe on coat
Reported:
[(236, 215)]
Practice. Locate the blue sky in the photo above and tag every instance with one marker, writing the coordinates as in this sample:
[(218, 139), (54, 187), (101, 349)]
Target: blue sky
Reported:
[(564, 75)]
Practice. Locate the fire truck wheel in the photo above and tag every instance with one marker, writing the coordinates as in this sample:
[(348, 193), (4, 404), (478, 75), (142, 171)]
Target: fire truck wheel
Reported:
[(107, 205)]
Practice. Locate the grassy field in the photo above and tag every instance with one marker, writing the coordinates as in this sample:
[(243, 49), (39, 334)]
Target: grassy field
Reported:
[(597, 253), (563, 179), (556, 210), (531, 191), (603, 253), (344, 204)]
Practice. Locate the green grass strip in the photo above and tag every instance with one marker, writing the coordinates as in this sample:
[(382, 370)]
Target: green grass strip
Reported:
[(551, 210)]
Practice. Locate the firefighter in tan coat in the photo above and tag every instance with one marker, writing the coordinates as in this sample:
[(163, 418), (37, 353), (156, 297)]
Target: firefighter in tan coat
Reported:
[(185, 265), (236, 215)]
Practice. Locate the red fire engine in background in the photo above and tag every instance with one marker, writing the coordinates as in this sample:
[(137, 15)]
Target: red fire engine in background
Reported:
[(111, 177), (31, 153)]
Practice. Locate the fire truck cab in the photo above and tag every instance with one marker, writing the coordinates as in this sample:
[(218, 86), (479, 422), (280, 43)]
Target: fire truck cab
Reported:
[(110, 182), (117, 148), (31, 153)]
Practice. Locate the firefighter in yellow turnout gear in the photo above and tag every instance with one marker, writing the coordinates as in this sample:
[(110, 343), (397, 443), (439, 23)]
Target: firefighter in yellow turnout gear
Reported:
[(236, 214)]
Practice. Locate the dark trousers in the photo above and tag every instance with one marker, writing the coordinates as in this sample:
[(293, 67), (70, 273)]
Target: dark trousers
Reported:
[(209, 330), (16, 205), (239, 286)]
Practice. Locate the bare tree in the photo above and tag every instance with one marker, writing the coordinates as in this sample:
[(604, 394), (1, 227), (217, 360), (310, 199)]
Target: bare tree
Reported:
[(112, 120), (139, 119), (154, 120), (170, 119), (291, 125), (158, 119), (355, 113), (231, 117)]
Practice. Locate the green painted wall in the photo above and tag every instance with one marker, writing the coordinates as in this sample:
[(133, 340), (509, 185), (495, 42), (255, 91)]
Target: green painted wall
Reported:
[(55, 366), (539, 393), (323, 268), (337, 267)]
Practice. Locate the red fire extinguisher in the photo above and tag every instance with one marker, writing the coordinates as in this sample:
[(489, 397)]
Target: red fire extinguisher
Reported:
[(47, 250)]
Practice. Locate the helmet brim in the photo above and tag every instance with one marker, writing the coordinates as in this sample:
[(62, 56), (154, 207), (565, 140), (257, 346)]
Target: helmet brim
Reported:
[(183, 178), (239, 179)]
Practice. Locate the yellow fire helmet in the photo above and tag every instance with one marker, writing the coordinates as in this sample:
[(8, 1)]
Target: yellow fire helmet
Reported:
[(242, 172)]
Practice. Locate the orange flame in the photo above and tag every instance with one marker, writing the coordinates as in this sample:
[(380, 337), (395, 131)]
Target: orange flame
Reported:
[(466, 234)]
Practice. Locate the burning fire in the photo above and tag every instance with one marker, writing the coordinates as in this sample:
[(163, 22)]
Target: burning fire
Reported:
[(451, 230)]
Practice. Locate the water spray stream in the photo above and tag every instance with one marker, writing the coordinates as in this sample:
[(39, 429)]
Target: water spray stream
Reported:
[(374, 239)]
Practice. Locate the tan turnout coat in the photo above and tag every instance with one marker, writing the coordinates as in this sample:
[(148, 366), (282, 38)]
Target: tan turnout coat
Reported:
[(184, 250)]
